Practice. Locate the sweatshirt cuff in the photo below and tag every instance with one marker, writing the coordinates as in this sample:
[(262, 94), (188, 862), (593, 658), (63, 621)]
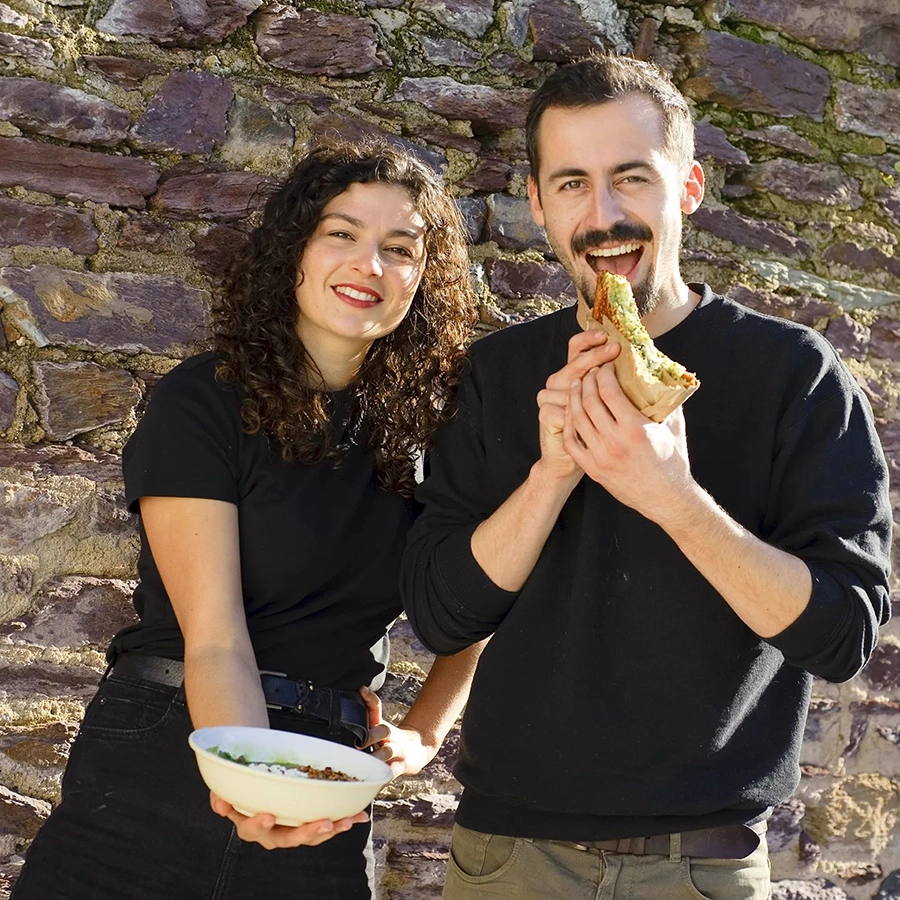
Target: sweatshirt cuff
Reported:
[(467, 581), (811, 637)]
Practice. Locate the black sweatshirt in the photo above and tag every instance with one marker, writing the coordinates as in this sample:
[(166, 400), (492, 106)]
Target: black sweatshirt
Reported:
[(620, 695), (320, 546)]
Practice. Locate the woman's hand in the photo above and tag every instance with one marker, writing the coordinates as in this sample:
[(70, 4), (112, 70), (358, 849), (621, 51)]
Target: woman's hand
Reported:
[(403, 748), (262, 829)]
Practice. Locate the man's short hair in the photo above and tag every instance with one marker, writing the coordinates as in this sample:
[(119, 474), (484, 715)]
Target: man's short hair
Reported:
[(604, 77)]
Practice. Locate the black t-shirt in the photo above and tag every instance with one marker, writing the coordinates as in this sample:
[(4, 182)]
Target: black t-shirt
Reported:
[(320, 546)]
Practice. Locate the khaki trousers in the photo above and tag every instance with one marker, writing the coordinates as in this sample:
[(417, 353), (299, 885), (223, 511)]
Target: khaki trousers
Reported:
[(486, 865)]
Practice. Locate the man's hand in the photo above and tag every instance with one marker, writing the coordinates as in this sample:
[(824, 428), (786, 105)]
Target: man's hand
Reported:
[(404, 749), (643, 464), (262, 829), (587, 350)]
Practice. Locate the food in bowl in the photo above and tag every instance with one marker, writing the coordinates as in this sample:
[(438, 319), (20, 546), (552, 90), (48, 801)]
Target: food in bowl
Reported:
[(292, 770), (265, 788)]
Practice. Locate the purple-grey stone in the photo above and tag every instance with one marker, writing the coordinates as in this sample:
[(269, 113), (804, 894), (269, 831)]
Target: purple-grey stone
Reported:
[(868, 259), (511, 226), (712, 142), (126, 73), (488, 109), (885, 339), (40, 462), (889, 200), (9, 391), (849, 337), (61, 112), (471, 17), (46, 226), (74, 612), (29, 514), (214, 195), (520, 280), (890, 887), (784, 825), (871, 27), (782, 136), (868, 110), (806, 182), (180, 23), (751, 233), (35, 51), (78, 174), (740, 74), (883, 670), (254, 129), (515, 66), (448, 52), (561, 33), (320, 103), (75, 397), (474, 213), (104, 312), (189, 114), (20, 817), (806, 310), (309, 42), (215, 249), (141, 233), (491, 174)]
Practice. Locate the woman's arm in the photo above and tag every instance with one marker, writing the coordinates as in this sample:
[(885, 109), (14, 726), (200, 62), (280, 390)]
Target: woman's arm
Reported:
[(196, 549), (411, 745)]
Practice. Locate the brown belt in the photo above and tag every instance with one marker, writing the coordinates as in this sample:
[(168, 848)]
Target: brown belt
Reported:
[(723, 842)]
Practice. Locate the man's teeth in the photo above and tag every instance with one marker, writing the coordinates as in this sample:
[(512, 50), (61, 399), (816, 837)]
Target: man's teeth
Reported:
[(615, 251), (359, 295)]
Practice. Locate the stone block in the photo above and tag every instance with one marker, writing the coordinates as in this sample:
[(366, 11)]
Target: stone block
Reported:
[(521, 280), (782, 136), (884, 340), (712, 142), (32, 50), (189, 114), (784, 825), (61, 112), (112, 311), (32, 758), (475, 215), (46, 226), (77, 174), (511, 226), (815, 889), (890, 887), (849, 337), (29, 514), (741, 74), (33, 682), (867, 110), (308, 42), (20, 819), (491, 174), (148, 235), (215, 249), (41, 465), (74, 612), (488, 109), (806, 182), (806, 310), (448, 52), (751, 233), (883, 670), (75, 397), (211, 195), (180, 23), (9, 391), (870, 27), (866, 259), (563, 31), (470, 17), (122, 71), (9, 16)]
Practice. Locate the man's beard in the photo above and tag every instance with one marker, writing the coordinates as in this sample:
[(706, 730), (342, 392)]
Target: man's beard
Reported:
[(646, 293)]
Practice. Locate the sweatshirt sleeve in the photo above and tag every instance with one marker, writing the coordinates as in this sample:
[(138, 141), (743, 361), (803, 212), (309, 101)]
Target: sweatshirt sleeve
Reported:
[(829, 506), (449, 600)]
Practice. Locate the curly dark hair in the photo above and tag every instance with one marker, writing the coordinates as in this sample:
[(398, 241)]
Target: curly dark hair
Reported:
[(405, 386)]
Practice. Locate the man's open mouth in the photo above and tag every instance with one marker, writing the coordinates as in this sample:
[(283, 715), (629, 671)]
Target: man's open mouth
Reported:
[(621, 259)]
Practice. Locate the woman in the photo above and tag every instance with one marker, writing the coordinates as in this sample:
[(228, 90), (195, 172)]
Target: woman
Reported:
[(273, 478)]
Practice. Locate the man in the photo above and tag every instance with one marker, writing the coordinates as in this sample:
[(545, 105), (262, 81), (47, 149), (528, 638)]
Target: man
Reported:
[(658, 595)]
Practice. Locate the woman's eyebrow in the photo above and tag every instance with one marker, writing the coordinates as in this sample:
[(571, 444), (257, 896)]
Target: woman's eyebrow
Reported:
[(411, 233)]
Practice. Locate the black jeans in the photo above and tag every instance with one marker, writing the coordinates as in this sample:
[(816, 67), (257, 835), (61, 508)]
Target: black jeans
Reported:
[(134, 822)]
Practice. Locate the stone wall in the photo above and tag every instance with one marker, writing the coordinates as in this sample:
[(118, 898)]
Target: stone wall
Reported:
[(134, 138)]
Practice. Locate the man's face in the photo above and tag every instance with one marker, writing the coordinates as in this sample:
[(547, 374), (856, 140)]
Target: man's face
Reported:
[(611, 198)]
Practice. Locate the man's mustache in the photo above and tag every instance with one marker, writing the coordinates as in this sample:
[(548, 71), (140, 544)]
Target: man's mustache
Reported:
[(620, 233)]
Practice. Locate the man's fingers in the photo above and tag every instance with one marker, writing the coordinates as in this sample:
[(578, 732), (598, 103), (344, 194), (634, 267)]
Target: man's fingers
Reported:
[(377, 735), (585, 340), (581, 364)]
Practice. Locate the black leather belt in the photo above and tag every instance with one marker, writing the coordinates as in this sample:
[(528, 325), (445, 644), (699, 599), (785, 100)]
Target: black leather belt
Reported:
[(340, 709), (723, 842)]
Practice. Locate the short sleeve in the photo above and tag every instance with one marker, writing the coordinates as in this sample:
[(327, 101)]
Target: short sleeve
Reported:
[(187, 443)]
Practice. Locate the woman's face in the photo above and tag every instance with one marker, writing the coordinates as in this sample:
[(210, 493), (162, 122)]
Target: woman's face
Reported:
[(360, 269)]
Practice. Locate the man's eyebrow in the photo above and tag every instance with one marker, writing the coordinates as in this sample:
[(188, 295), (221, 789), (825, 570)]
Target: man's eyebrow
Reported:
[(566, 173), (411, 233), (617, 170)]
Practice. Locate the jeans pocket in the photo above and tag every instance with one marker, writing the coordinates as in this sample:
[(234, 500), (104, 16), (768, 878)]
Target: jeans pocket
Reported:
[(477, 858), (127, 710), (729, 879)]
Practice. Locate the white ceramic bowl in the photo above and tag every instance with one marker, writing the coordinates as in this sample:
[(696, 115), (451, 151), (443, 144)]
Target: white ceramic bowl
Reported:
[(293, 801)]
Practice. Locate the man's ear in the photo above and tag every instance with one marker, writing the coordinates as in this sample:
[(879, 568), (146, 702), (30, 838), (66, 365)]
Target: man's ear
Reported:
[(692, 189), (534, 201)]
